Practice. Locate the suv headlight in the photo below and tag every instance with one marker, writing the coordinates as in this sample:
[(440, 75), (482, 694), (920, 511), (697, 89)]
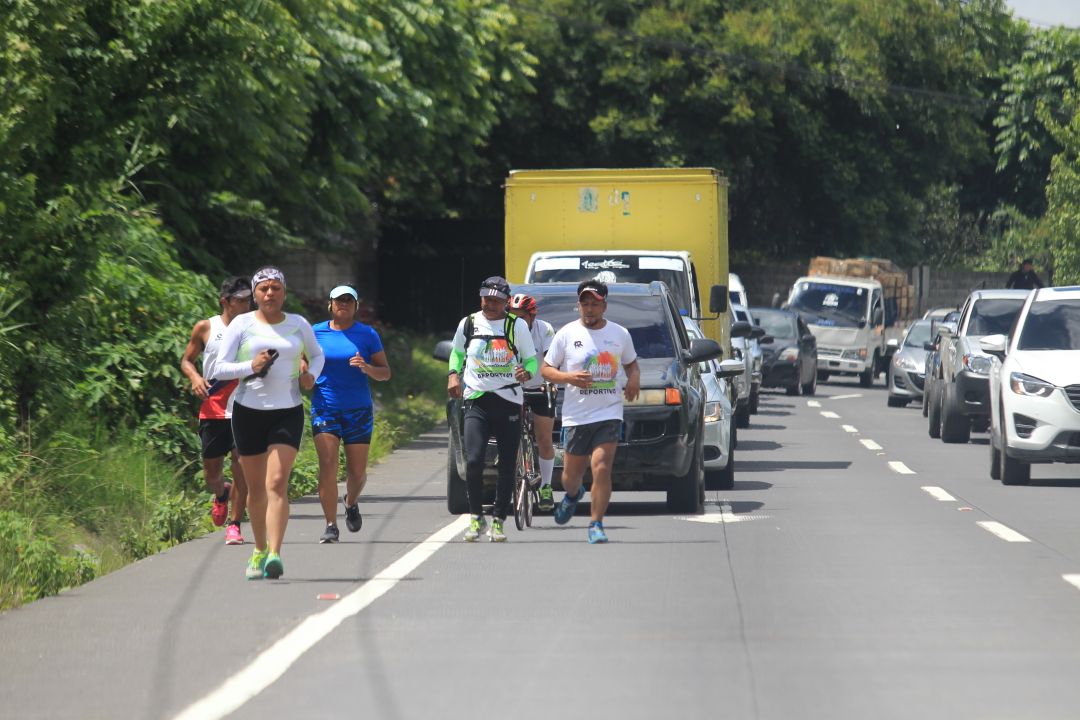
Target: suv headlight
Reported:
[(789, 354), (978, 364), (651, 396), (1022, 384), (712, 412)]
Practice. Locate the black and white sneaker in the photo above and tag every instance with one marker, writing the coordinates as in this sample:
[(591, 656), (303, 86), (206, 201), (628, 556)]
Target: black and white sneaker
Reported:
[(353, 521), (330, 534)]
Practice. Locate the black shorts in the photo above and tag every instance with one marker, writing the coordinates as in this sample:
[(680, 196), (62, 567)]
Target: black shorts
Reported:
[(538, 403), (583, 439), (216, 436), (256, 430)]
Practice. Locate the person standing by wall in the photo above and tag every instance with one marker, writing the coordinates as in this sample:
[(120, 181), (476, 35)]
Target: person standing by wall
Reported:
[(342, 410), (215, 412), (266, 348), (1024, 278)]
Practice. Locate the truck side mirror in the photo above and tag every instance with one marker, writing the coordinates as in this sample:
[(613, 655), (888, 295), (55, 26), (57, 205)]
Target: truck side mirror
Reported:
[(718, 299), (741, 329)]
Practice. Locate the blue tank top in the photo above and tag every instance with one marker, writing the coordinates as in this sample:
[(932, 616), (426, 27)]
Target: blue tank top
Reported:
[(342, 386)]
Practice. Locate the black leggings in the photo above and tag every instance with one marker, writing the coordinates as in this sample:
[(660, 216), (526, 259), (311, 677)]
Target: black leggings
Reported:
[(485, 416)]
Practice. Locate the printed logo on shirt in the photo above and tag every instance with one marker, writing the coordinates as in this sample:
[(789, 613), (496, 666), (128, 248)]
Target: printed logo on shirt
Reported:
[(603, 367), (494, 358)]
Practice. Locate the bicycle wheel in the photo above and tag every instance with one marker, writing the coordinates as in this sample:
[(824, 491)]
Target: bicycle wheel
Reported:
[(530, 503), (521, 501)]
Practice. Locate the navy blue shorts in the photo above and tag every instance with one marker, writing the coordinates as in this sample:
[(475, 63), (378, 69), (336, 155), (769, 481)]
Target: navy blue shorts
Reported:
[(354, 427)]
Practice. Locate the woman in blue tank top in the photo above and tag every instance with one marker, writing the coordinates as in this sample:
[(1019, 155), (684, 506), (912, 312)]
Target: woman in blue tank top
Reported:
[(342, 410)]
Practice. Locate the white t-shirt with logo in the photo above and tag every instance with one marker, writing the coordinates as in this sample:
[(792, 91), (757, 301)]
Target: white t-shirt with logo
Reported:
[(542, 335), (603, 353), (489, 362)]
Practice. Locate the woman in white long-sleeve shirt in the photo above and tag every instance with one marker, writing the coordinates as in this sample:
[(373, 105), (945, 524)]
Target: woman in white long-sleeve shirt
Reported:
[(265, 348)]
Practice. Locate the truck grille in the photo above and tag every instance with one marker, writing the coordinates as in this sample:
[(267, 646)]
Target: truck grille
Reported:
[(829, 352), (1073, 391)]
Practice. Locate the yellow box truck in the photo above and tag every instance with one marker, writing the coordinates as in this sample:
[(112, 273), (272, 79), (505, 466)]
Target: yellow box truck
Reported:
[(627, 225)]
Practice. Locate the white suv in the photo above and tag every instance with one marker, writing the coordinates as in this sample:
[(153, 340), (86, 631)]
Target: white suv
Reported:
[(1035, 386)]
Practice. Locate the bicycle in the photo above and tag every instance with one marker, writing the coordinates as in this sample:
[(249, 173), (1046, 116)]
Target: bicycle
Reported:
[(527, 474)]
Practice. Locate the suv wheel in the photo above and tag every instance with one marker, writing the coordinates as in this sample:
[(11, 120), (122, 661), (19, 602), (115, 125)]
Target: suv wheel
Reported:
[(1012, 471), (933, 414), (742, 416), (686, 494), (866, 377), (457, 498), (995, 461), (723, 479), (810, 388), (955, 426)]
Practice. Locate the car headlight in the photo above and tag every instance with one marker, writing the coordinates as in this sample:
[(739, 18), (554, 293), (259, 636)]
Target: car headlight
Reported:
[(652, 396), (789, 354), (906, 363), (857, 354), (1022, 384), (712, 412), (978, 364)]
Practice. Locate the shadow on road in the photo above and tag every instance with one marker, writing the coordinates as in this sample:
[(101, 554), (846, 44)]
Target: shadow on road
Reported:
[(774, 465), (755, 426), (773, 413), (752, 445)]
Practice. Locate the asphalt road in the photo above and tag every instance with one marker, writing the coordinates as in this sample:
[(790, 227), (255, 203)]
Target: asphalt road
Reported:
[(858, 570)]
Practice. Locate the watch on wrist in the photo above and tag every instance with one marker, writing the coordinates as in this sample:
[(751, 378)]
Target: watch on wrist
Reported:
[(452, 372)]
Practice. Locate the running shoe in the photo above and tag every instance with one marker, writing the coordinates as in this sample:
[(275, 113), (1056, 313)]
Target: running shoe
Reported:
[(596, 533), (256, 566), (477, 525), (353, 521), (273, 568), (547, 499), (233, 536), (496, 534), (220, 511), (565, 509), (330, 534)]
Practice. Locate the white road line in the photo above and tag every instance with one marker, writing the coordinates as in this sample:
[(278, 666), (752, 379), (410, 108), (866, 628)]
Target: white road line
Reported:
[(869, 444), (1002, 531), (276, 660), (939, 493), (846, 397), (829, 414), (813, 403), (1072, 579), (900, 467), (850, 428)]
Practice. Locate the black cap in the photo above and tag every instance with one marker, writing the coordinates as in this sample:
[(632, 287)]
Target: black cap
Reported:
[(495, 286), (597, 288), (236, 286), (1028, 261)]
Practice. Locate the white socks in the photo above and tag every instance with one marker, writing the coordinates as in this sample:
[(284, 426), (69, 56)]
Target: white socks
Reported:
[(547, 467)]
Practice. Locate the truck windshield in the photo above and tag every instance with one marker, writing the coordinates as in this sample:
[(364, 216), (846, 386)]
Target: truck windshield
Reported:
[(642, 315), (993, 316), (1051, 326), (628, 269), (830, 304)]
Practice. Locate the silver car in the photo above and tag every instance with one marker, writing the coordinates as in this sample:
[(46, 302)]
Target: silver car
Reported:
[(755, 359), (720, 431), (907, 369)]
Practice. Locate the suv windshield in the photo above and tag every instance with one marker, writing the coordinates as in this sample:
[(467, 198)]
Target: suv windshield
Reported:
[(993, 316), (776, 324), (918, 335), (628, 269), (1051, 326), (642, 315), (830, 304)]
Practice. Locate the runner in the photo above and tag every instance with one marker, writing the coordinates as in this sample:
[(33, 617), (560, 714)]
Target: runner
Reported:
[(483, 371), (341, 406), (594, 358), (264, 348), (543, 409), (215, 428)]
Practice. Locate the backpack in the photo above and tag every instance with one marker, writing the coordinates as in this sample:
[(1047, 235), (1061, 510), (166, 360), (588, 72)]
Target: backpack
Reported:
[(508, 332)]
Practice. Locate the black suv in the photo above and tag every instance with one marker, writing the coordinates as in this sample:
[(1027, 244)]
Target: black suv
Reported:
[(662, 447)]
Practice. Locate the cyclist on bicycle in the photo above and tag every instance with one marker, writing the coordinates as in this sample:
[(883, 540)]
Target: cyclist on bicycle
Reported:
[(537, 396)]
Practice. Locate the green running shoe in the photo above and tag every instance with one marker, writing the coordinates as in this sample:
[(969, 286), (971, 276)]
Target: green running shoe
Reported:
[(547, 499), (273, 568), (255, 565), (496, 533), (477, 525)]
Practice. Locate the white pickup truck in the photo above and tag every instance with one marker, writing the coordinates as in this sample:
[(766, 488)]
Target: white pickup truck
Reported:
[(847, 316)]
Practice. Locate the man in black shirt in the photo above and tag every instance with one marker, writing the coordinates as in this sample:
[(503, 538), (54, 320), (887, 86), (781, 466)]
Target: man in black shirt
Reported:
[(1024, 278)]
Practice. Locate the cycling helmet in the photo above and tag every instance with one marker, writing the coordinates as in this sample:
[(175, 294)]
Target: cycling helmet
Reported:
[(523, 303)]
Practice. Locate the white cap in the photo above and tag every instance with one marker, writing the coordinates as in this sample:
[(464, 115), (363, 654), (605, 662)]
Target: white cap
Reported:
[(343, 290)]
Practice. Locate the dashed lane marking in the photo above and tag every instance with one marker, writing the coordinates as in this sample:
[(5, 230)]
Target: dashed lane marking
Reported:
[(829, 414), (1004, 532), (850, 428), (813, 403), (846, 397), (900, 467), (1072, 579), (279, 657), (939, 493), (869, 444)]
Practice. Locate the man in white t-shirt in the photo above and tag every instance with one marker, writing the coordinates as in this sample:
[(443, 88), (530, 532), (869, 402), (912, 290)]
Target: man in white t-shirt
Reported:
[(597, 362)]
